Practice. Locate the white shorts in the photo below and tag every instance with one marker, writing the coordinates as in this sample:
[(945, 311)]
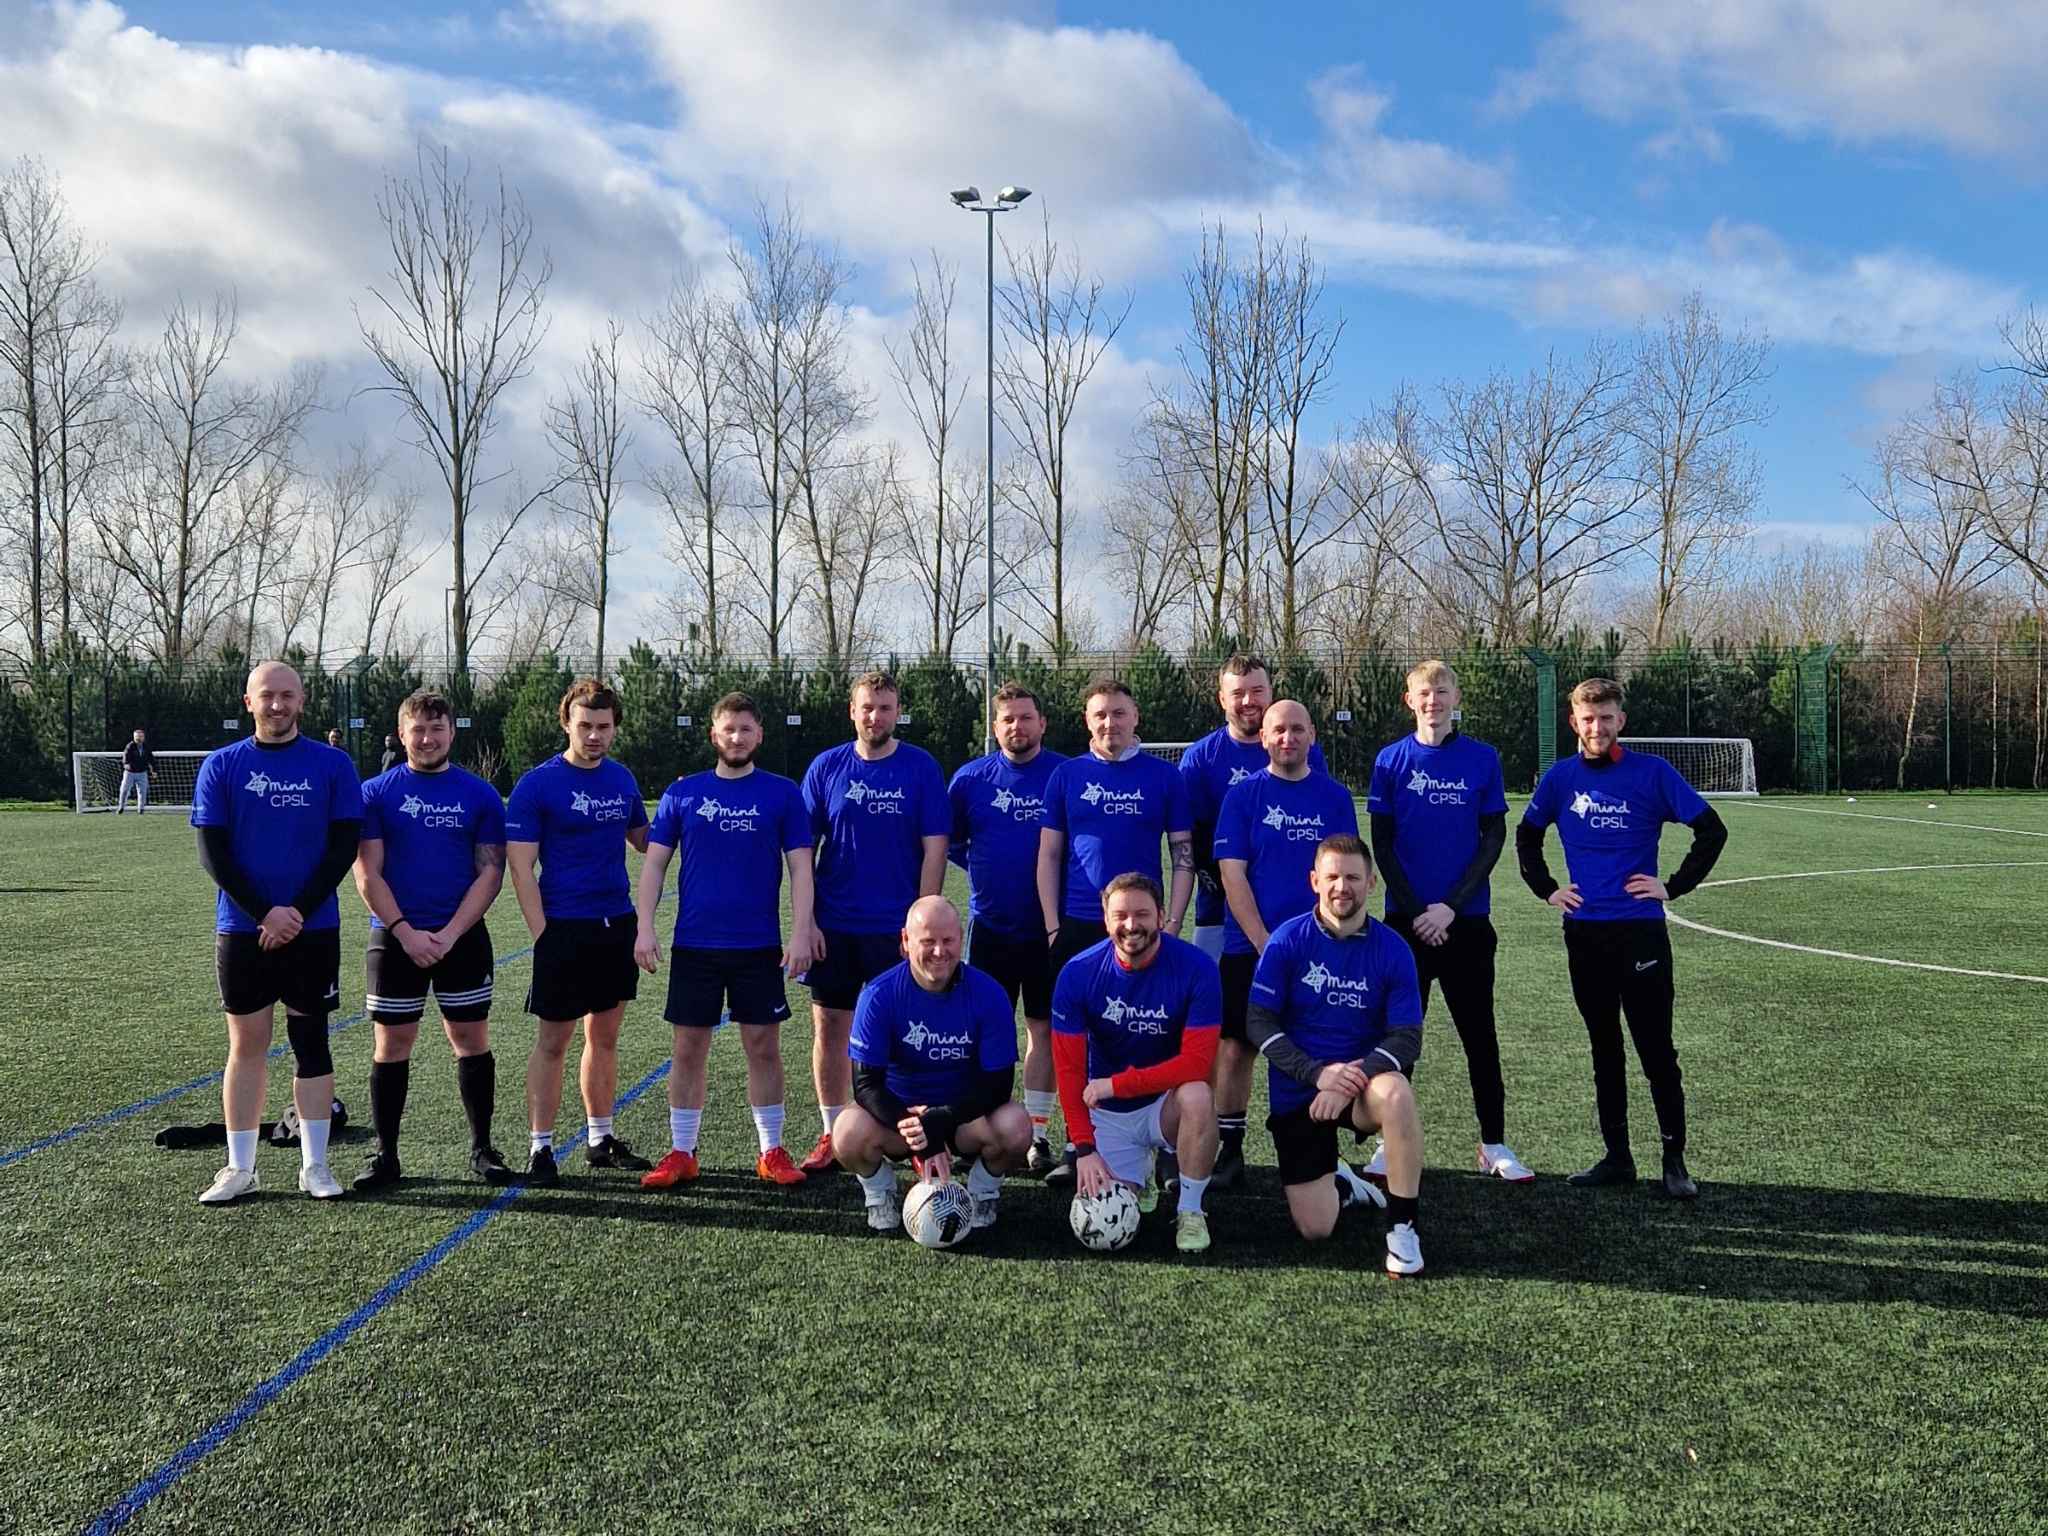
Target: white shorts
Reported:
[(1128, 1139), (1210, 941)]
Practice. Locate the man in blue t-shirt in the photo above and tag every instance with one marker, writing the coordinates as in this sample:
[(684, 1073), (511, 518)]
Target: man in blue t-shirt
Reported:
[(737, 826), (431, 863), (1610, 806), (1439, 814), (934, 1053), (880, 818), (574, 815), (998, 805), (1266, 837), (278, 818), (1134, 1025), (1336, 1014)]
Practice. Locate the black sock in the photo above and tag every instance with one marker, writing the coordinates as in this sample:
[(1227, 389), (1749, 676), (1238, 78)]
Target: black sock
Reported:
[(1674, 1146), (1401, 1208), (476, 1077), (389, 1081), (1230, 1131)]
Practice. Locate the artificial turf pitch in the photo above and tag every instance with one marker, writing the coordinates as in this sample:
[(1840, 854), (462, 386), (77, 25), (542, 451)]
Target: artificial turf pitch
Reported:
[(1848, 1331)]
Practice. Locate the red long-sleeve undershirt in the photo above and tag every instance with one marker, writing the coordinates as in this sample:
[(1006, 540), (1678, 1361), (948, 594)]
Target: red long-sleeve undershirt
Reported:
[(1070, 1068)]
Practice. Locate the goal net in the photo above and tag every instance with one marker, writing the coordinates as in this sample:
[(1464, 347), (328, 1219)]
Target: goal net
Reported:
[(1170, 750), (1713, 765), (173, 776)]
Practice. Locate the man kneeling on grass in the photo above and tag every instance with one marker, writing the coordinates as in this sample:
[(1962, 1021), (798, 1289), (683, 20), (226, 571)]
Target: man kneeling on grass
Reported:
[(934, 1050)]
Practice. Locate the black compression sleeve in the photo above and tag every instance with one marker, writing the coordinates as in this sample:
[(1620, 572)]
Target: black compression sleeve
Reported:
[(1399, 892), (1262, 1025), (342, 838), (871, 1093), (1529, 860), (1493, 836), (1203, 841), (1399, 1052), (217, 858), (1709, 837), (942, 1121)]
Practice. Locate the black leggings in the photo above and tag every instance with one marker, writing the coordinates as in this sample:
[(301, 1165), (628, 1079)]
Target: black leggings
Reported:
[(1463, 966), (1625, 969)]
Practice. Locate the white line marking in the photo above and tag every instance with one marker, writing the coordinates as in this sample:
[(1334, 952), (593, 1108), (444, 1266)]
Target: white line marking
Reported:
[(1843, 954), (1911, 821), (1881, 869)]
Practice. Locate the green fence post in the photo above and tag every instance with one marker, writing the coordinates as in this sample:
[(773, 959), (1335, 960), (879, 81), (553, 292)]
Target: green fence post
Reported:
[(1948, 680), (1810, 721), (1546, 707)]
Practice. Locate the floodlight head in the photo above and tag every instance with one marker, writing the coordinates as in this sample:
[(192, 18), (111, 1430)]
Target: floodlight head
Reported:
[(1013, 195), (967, 195)]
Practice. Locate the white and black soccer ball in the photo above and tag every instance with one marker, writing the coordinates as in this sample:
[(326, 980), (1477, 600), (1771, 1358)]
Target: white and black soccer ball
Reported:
[(1105, 1222), (937, 1215)]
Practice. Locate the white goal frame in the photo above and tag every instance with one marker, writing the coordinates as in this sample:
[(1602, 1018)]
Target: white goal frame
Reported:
[(1741, 772), (1169, 750), (87, 802)]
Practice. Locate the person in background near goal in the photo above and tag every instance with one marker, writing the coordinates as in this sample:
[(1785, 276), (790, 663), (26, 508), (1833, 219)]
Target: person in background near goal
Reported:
[(135, 760), (998, 804), (575, 814), (737, 826), (431, 863), (934, 1050), (279, 818), (1105, 812), (1439, 812), (1266, 838), (880, 816), (1336, 1012), (1134, 1025), (1610, 806), (394, 754)]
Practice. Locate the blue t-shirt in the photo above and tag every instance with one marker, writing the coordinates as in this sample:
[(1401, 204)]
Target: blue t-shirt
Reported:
[(870, 821), (580, 818), (1336, 998), (1212, 767), (1112, 816), (934, 1046), (1436, 796), (276, 803), (1136, 1018), (998, 808), (1274, 824), (1609, 816), (733, 834), (431, 825)]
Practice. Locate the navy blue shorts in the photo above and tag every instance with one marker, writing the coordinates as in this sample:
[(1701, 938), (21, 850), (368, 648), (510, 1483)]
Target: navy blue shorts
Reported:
[(705, 984), (852, 960)]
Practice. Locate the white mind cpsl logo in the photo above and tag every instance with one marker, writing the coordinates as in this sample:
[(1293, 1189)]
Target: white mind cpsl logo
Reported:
[(598, 807), (1595, 810), (1006, 802), (277, 791), (728, 818), (876, 802), (428, 814), (1110, 802), (1335, 990), (1143, 1021), (1438, 791), (934, 1046), (1238, 776), (1299, 829)]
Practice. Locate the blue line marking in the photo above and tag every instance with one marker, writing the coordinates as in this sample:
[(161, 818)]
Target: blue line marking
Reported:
[(209, 1440)]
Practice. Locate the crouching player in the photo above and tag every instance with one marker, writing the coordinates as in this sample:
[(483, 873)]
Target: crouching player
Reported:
[(1135, 1019), (934, 1050), (1336, 1013)]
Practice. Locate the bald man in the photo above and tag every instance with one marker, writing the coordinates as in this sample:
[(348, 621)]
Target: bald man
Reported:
[(934, 1049), (1266, 836), (279, 817)]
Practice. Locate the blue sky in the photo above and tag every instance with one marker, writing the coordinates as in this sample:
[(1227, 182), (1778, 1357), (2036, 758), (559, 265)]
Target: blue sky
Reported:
[(1857, 177)]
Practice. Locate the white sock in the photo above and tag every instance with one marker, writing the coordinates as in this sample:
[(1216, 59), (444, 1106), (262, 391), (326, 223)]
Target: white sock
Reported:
[(313, 1142), (1039, 1103), (830, 1112), (879, 1185), (682, 1128), (1191, 1192), (242, 1149), (982, 1184), (768, 1126), (541, 1141), (600, 1127)]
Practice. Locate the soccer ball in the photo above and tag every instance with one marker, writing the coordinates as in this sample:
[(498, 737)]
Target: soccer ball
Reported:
[(1105, 1222), (937, 1215)]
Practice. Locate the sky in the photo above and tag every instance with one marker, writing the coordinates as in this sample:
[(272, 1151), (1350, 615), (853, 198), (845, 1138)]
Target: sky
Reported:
[(1858, 179)]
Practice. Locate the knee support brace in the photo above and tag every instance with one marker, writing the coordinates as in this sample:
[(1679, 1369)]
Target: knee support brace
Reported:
[(308, 1035)]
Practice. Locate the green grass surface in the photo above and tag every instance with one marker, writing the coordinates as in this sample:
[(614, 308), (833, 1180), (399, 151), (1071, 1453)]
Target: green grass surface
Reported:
[(1848, 1332)]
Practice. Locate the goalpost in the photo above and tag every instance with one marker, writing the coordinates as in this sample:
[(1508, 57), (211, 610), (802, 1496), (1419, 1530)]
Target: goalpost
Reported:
[(173, 777), (1169, 750), (1713, 765)]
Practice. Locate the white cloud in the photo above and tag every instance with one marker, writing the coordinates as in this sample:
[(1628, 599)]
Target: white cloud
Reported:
[(1366, 161)]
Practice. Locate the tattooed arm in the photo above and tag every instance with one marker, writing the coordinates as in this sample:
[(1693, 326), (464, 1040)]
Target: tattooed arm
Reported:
[(1180, 848), (483, 890)]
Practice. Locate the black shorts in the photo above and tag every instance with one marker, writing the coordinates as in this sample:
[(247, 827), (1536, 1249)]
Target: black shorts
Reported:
[(704, 983), (305, 975), (1023, 967), (582, 965), (1307, 1149), (1075, 935), (1237, 971), (852, 960), (397, 989)]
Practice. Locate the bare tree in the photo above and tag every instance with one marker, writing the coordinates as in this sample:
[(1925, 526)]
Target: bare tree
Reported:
[(849, 523), (340, 527), (396, 550), (1056, 326), (1145, 558), (270, 511), (87, 371), (1301, 520), (591, 435), (1377, 475), (458, 322), (686, 384), (1694, 390)]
